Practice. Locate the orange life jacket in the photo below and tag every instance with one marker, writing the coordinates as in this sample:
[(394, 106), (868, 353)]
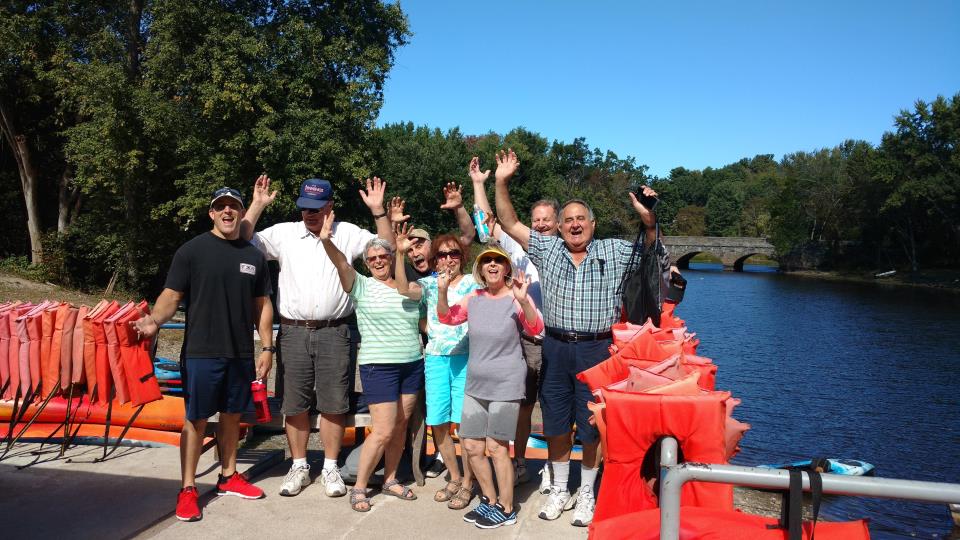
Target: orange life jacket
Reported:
[(135, 355), (113, 353), (631, 423), (717, 524), (66, 344), (90, 348), (76, 357), (104, 380)]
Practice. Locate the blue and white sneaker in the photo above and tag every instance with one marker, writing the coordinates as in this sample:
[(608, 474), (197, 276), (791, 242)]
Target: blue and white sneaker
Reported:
[(497, 516), (480, 510)]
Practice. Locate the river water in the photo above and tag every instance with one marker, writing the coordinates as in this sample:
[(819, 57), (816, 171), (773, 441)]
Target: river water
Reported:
[(843, 370)]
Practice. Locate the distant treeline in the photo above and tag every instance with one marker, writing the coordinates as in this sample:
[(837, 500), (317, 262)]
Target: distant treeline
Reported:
[(118, 119)]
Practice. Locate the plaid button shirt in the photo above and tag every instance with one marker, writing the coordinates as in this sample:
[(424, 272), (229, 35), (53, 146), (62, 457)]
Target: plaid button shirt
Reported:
[(584, 298)]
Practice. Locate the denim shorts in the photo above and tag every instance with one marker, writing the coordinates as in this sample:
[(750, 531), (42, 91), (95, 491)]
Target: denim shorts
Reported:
[(212, 385), (563, 399), (383, 383), (445, 377)]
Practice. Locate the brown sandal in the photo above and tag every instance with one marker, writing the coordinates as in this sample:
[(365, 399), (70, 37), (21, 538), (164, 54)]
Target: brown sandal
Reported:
[(446, 493), (462, 499)]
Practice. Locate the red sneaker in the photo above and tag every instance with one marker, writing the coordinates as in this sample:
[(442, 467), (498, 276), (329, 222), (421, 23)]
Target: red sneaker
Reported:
[(238, 485), (187, 507)]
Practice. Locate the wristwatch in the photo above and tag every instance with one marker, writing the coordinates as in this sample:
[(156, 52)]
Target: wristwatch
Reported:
[(269, 349)]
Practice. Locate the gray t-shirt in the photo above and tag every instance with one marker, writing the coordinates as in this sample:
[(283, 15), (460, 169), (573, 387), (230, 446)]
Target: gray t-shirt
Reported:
[(496, 370)]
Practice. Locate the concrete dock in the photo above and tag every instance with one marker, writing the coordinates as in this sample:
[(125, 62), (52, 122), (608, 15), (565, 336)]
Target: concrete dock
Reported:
[(133, 494)]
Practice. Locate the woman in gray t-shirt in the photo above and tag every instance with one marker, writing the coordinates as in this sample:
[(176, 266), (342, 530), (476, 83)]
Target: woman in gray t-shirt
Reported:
[(496, 374)]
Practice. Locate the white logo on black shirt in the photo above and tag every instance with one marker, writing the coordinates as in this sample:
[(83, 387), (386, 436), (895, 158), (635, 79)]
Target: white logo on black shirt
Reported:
[(248, 269)]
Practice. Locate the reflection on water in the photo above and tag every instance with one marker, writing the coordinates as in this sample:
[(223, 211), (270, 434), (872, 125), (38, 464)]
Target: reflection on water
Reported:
[(844, 370)]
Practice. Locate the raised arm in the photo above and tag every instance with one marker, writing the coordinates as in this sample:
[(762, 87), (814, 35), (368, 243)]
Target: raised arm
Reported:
[(264, 311), (404, 287), (507, 164), (531, 320), (373, 197), (344, 268), (262, 197), (453, 200), (647, 215), (478, 179), (447, 314)]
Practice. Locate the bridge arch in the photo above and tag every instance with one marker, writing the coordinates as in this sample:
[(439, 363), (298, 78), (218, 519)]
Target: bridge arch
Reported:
[(682, 260), (738, 264), (732, 251)]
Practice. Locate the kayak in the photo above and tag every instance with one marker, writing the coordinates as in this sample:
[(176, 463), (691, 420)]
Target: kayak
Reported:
[(846, 467), (92, 434)]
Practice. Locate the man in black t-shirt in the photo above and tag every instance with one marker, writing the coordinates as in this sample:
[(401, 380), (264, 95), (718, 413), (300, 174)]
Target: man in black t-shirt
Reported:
[(225, 284)]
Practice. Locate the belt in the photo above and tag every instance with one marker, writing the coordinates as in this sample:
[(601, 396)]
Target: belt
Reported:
[(313, 324), (570, 336), (536, 340)]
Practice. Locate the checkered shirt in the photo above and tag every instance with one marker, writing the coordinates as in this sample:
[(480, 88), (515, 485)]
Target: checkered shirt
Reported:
[(584, 298)]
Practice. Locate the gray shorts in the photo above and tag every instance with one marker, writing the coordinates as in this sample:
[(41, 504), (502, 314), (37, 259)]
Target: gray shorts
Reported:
[(482, 418), (533, 354), (315, 363)]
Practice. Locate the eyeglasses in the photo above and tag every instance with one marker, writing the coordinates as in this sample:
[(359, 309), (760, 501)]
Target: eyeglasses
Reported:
[(453, 253), (219, 207), (311, 210), (379, 257)]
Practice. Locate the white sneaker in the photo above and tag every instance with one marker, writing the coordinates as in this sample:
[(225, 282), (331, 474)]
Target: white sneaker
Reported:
[(546, 478), (557, 501), (297, 479), (333, 482), (583, 515)]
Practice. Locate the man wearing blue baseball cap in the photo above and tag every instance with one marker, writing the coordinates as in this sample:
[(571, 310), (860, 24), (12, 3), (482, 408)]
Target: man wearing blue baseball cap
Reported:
[(314, 349)]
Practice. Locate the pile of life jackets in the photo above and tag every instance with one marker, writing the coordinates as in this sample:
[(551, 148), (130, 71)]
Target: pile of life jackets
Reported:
[(655, 386), (48, 348)]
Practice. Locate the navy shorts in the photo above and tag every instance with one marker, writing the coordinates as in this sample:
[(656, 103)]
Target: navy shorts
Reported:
[(212, 385), (383, 383), (563, 399)]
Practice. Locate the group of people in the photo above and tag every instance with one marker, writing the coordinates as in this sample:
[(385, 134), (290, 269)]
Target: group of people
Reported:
[(483, 347)]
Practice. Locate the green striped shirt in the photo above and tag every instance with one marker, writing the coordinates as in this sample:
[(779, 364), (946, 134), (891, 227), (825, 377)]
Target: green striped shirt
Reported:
[(388, 323)]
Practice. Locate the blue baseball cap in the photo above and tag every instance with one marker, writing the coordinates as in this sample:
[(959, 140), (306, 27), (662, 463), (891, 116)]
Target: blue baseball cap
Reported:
[(227, 192), (314, 193)]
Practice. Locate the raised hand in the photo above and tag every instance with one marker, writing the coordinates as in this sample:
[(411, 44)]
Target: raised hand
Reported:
[(520, 285), (443, 280), (326, 230), (507, 164), (475, 174), (261, 191), (453, 195), (395, 210), (648, 216), (373, 196), (400, 231)]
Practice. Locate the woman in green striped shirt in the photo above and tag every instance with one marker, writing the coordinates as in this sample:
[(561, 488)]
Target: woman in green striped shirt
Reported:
[(390, 359)]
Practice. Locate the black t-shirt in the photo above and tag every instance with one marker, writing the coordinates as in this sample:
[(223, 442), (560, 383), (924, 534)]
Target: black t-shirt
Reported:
[(220, 279)]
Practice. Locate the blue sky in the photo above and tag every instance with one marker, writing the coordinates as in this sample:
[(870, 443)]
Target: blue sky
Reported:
[(683, 83)]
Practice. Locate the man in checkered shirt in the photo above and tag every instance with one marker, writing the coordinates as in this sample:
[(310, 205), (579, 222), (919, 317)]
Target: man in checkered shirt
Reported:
[(580, 279)]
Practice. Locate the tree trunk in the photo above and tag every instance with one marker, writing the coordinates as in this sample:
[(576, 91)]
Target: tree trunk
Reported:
[(66, 202), (28, 180)]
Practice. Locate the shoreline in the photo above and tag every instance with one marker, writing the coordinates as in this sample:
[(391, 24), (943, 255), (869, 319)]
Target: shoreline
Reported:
[(939, 280)]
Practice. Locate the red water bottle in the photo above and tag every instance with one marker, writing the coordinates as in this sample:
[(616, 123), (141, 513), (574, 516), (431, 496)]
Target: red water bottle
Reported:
[(259, 392)]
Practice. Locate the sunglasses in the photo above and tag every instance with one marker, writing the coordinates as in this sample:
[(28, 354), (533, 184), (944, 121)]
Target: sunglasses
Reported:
[(452, 253), (492, 258), (219, 207), (380, 257)]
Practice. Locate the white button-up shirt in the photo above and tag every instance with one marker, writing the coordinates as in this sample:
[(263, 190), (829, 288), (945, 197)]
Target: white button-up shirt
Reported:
[(309, 287)]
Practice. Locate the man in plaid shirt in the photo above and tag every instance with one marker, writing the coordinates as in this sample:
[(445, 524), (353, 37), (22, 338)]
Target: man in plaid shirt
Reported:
[(580, 279)]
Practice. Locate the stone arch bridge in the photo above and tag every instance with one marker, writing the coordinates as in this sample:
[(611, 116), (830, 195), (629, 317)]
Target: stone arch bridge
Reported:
[(731, 250)]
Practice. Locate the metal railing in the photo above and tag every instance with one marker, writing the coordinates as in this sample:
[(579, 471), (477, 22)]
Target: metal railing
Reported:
[(673, 476)]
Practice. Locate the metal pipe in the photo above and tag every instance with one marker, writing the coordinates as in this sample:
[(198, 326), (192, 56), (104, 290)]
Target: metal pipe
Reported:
[(673, 477)]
